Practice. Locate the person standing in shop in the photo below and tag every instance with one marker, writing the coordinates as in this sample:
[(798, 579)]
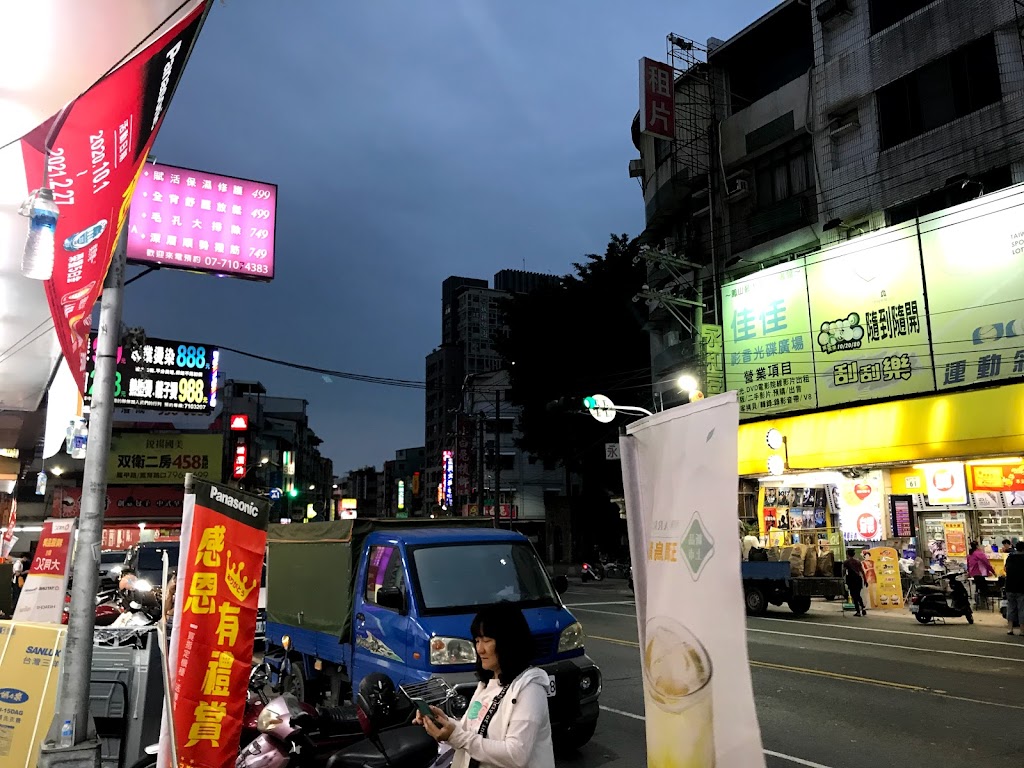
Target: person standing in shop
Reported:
[(855, 581), (1007, 547), (1015, 587), (979, 568)]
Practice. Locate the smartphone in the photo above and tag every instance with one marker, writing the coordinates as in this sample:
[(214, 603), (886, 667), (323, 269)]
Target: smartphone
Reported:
[(424, 709)]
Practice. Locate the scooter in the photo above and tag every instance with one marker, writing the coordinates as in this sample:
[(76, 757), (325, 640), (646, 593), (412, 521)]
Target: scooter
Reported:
[(593, 572), (928, 602)]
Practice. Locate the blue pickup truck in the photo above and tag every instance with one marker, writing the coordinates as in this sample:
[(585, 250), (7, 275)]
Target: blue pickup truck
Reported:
[(772, 582), (351, 597)]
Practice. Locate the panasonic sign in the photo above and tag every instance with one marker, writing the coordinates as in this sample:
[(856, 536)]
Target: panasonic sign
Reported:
[(230, 501), (165, 80)]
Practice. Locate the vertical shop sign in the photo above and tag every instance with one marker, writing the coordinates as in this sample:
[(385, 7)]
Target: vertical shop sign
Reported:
[(215, 621), (859, 504), (885, 589), (768, 355), (698, 696), (901, 516), (42, 599), (92, 165), (946, 483), (714, 360), (972, 261), (29, 675), (657, 99), (868, 319), (956, 538)]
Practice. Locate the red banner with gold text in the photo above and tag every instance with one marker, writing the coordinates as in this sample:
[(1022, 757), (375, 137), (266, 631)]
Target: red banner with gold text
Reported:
[(215, 622), (997, 477), (95, 157)]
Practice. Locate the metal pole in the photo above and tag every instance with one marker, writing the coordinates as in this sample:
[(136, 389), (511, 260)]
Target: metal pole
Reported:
[(497, 457), (481, 464), (73, 703)]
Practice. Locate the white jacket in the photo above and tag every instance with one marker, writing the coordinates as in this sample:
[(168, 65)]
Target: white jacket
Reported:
[(519, 735)]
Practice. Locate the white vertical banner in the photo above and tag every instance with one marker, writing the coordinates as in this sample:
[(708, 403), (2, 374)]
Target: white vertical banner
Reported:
[(679, 468)]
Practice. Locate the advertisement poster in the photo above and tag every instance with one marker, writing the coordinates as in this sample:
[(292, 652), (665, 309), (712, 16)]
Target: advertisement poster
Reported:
[(204, 222), (691, 621), (145, 459), (162, 375), (135, 503), (657, 99), (215, 621), (997, 477), (42, 598), (96, 151), (946, 483), (976, 304), (886, 591), (29, 676), (859, 504), (868, 318), (956, 539)]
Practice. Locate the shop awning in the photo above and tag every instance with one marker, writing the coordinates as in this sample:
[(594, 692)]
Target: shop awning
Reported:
[(984, 422)]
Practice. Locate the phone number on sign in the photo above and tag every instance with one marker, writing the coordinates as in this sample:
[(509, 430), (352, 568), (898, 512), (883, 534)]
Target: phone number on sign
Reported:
[(213, 263)]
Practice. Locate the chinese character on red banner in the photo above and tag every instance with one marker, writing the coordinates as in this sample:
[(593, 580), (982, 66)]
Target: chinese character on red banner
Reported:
[(657, 101)]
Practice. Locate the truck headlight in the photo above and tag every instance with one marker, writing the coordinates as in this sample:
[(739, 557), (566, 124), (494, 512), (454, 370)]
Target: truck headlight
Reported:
[(451, 650), (571, 638)]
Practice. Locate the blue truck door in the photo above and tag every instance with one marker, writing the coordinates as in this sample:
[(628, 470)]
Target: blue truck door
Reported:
[(381, 634)]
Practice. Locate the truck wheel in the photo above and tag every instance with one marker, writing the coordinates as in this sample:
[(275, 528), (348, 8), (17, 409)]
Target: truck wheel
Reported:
[(295, 682), (757, 604), (799, 604), (575, 736)]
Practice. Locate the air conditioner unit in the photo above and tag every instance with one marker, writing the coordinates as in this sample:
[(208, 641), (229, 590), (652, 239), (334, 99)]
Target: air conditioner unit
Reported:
[(843, 123), (832, 9), (636, 168), (737, 187)]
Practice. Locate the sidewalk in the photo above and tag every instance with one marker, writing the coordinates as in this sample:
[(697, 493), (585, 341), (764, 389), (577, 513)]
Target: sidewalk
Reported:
[(834, 610)]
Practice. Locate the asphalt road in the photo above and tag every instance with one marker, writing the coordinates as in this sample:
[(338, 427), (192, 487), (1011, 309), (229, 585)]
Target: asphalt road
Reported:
[(832, 691)]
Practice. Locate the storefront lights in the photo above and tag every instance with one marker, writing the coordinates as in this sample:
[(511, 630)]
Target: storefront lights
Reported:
[(774, 439), (776, 465)]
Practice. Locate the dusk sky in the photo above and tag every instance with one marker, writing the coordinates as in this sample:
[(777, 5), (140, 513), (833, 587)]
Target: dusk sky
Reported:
[(410, 141)]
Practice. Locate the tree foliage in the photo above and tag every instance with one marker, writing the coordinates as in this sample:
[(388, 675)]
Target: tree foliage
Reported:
[(582, 336)]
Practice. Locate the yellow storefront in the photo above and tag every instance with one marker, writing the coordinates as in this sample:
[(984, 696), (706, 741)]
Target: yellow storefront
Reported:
[(905, 451)]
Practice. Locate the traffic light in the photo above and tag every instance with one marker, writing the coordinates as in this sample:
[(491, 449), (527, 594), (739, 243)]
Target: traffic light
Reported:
[(293, 492), (590, 403)]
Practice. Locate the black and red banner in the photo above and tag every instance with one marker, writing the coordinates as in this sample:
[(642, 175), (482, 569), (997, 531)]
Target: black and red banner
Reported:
[(215, 622), (96, 155)]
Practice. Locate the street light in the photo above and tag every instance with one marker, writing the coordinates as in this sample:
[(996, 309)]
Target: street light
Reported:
[(687, 383)]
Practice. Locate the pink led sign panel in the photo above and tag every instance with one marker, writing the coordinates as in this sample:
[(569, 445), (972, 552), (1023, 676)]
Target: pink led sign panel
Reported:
[(186, 219)]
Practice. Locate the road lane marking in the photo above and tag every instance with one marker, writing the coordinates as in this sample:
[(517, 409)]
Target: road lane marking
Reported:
[(790, 758), (885, 645), (892, 632), (845, 677), (603, 613), (603, 602), (623, 713)]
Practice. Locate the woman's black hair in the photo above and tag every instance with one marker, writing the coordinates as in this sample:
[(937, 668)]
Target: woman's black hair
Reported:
[(974, 546), (505, 624), (850, 552)]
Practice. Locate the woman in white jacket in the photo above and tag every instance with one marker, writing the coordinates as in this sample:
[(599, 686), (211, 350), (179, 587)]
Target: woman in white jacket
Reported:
[(507, 723)]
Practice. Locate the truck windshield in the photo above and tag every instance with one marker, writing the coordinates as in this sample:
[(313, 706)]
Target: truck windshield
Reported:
[(456, 577)]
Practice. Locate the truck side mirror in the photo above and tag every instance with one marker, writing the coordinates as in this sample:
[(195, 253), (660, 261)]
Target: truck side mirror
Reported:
[(561, 583), (391, 597)]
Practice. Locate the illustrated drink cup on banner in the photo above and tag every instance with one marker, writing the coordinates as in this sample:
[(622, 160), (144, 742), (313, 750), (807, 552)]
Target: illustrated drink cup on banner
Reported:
[(677, 697)]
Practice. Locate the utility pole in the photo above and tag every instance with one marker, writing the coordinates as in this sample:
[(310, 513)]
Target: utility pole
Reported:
[(497, 457), (481, 463), (76, 664)]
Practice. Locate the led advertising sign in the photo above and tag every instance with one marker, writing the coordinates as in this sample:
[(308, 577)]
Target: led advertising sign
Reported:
[(162, 375), (447, 478), (186, 219)]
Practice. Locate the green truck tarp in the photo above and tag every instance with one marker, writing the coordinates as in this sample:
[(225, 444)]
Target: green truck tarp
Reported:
[(311, 568)]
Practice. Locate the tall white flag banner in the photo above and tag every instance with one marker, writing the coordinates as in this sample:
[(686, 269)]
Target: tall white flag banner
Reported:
[(680, 474)]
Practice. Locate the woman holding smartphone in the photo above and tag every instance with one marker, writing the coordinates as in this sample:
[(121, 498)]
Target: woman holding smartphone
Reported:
[(507, 723)]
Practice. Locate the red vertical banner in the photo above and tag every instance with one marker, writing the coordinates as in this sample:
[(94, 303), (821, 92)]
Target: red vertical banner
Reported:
[(657, 99), (94, 159), (42, 598), (215, 622)]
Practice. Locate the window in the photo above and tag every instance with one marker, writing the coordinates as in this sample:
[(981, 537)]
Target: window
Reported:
[(784, 173), (940, 92), (662, 151), (384, 570), (885, 13)]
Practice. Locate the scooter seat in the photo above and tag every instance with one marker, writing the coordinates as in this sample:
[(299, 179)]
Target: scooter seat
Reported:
[(408, 745)]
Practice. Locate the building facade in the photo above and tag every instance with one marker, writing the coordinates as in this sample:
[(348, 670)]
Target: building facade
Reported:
[(402, 489), (471, 319), (837, 204)]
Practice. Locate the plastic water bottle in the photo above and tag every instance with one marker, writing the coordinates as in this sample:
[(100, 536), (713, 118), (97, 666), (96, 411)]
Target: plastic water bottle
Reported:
[(67, 734), (37, 261), (79, 441)]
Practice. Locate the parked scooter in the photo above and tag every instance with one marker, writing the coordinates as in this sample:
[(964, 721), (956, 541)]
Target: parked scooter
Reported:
[(592, 572), (931, 602)]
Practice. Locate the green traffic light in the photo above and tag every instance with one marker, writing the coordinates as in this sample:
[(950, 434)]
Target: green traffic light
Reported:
[(589, 403), (293, 492)]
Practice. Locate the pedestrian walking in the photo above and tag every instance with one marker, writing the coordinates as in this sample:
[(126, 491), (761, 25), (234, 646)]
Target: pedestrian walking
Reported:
[(855, 581), (1015, 587), (979, 568)]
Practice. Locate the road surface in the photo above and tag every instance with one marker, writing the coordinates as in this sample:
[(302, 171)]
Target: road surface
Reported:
[(833, 691)]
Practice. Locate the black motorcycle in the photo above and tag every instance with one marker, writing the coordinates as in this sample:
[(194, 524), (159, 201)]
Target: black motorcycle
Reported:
[(933, 602)]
